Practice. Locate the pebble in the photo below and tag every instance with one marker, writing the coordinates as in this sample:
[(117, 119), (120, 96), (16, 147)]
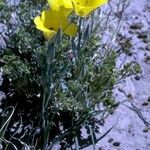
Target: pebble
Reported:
[(142, 35), (147, 59), (136, 26), (116, 144), (111, 112), (110, 140), (146, 129), (145, 104), (137, 77), (148, 47), (148, 99), (131, 32), (130, 96)]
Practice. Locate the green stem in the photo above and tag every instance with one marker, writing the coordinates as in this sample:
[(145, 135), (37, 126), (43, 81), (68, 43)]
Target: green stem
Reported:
[(79, 37), (47, 81)]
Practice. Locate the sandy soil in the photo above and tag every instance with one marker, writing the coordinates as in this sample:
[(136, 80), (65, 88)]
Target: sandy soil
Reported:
[(131, 119)]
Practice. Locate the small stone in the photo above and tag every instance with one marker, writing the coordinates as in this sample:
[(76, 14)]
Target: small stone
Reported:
[(146, 129), (145, 54), (131, 32), (148, 99), (147, 59), (100, 148), (130, 53), (145, 104), (137, 77), (120, 90), (133, 134), (116, 144), (148, 47), (142, 35), (130, 96), (110, 140), (136, 26)]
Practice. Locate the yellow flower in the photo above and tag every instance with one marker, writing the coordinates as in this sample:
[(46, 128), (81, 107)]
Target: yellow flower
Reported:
[(85, 7), (52, 20), (56, 4)]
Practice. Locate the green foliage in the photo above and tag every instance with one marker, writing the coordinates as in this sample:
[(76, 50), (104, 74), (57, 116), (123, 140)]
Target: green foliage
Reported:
[(131, 68), (14, 67)]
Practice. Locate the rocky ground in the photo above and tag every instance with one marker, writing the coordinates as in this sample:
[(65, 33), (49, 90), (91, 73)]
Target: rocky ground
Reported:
[(131, 119)]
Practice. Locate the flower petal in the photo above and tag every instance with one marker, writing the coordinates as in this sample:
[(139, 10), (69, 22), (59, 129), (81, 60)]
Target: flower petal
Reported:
[(97, 3), (71, 29), (49, 19), (55, 4), (81, 10), (85, 7), (39, 25)]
